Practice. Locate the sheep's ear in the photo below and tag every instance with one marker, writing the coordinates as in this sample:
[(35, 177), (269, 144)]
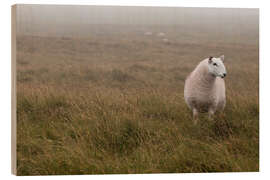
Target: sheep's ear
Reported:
[(210, 60), (222, 57)]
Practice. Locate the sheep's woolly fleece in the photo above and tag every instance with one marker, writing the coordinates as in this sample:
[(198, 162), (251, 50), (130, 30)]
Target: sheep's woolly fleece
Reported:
[(204, 91)]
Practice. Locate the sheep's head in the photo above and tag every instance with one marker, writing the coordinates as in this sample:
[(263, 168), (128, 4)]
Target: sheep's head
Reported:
[(216, 66)]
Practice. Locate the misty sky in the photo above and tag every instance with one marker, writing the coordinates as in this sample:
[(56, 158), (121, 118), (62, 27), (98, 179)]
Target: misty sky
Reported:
[(37, 18)]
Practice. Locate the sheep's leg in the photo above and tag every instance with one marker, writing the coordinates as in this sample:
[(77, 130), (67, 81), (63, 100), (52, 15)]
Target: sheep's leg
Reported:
[(210, 114), (195, 116)]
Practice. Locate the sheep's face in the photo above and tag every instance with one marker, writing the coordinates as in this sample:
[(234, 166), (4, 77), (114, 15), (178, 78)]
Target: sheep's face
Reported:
[(216, 66)]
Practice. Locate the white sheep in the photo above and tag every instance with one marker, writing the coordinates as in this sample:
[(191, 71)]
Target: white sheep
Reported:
[(165, 40), (148, 33), (161, 34), (204, 89)]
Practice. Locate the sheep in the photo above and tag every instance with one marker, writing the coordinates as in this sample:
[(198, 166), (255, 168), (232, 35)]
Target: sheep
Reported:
[(165, 40), (161, 34), (204, 89), (148, 33)]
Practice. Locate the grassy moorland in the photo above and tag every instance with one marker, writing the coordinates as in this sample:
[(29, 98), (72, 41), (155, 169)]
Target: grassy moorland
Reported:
[(114, 104)]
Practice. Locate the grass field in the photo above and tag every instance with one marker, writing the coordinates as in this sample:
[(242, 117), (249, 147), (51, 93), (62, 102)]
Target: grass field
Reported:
[(113, 103)]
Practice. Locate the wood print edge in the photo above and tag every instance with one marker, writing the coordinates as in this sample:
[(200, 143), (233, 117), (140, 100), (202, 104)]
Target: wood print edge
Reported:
[(13, 91)]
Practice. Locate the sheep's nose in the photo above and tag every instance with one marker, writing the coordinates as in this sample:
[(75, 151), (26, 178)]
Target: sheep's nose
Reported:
[(224, 74)]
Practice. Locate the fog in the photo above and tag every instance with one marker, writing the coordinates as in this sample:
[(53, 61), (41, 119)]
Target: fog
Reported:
[(69, 20)]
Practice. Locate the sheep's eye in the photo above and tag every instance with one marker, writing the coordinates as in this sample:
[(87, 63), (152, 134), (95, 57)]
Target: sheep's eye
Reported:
[(215, 64)]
